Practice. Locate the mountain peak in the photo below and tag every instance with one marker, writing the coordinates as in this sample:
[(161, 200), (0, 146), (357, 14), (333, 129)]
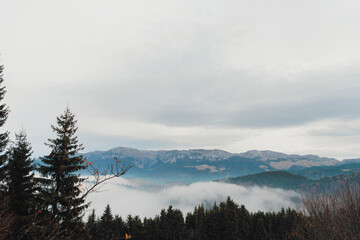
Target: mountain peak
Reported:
[(264, 155)]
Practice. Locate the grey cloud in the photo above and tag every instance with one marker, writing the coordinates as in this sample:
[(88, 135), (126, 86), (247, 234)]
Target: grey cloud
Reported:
[(92, 141), (233, 99), (179, 63)]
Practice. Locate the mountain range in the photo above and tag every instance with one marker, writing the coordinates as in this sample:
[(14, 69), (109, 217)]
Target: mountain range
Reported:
[(188, 166)]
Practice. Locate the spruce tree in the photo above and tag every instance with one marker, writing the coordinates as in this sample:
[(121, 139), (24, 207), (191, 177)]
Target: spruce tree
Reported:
[(106, 224), (20, 176), (62, 182), (21, 184), (119, 226), (91, 225), (4, 137), (6, 218)]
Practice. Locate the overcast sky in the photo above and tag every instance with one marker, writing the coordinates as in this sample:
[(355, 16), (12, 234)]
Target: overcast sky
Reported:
[(177, 74)]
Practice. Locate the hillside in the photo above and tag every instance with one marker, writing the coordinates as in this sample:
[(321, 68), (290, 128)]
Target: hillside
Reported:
[(275, 179), (328, 171), (289, 181)]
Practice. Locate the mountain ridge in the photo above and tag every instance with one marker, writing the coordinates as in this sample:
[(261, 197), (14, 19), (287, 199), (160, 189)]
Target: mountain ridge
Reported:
[(202, 164)]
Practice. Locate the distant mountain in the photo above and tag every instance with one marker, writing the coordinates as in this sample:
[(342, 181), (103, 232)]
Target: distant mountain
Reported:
[(270, 155), (200, 164), (328, 171), (289, 181), (275, 179), (346, 161)]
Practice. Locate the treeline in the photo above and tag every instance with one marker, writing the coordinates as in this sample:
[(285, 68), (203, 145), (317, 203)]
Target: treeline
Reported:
[(226, 221)]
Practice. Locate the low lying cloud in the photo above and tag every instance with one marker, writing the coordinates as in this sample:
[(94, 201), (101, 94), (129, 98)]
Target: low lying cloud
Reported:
[(137, 197)]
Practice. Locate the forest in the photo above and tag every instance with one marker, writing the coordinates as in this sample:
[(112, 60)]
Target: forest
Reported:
[(51, 204), (224, 221)]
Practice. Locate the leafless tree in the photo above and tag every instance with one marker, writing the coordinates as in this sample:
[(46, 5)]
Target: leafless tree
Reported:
[(333, 214), (99, 176)]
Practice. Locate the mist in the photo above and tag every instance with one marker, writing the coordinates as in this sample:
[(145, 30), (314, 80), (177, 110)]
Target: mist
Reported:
[(137, 197)]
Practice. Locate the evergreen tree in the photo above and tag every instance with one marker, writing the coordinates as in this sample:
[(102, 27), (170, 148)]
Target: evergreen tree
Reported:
[(20, 176), (229, 213), (260, 232), (244, 222), (106, 230), (21, 184), (195, 223), (119, 226), (6, 218), (91, 225), (213, 224), (135, 227), (152, 229), (4, 137), (61, 190), (172, 226)]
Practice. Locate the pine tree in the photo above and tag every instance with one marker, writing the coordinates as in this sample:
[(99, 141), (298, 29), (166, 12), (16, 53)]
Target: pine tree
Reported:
[(260, 230), (119, 226), (62, 182), (229, 213), (106, 224), (91, 225), (175, 220), (21, 184), (4, 137), (20, 176), (212, 223), (6, 218), (135, 227)]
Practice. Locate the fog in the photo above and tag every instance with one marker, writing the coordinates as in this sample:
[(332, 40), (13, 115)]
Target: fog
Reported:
[(137, 197)]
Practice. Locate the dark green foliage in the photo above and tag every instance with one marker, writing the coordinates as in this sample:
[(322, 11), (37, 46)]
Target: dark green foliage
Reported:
[(119, 226), (213, 223), (135, 227), (226, 221), (61, 182), (4, 137), (21, 184), (92, 225), (301, 184), (274, 179), (172, 224), (6, 216), (105, 225), (329, 171), (229, 213), (20, 176), (151, 228)]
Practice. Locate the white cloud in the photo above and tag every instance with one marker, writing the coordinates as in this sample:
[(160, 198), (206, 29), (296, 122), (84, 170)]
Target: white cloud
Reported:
[(138, 198)]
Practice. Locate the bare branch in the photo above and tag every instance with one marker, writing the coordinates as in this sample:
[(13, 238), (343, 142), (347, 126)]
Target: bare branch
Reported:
[(117, 169)]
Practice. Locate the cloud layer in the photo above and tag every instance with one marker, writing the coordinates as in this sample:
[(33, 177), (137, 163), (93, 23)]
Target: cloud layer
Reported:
[(146, 200)]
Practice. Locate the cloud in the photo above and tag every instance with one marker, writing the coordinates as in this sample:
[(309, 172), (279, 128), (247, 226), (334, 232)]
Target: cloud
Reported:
[(146, 200), (146, 74)]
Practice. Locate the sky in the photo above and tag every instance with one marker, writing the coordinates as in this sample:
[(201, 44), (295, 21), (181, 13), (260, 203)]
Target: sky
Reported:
[(178, 74)]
